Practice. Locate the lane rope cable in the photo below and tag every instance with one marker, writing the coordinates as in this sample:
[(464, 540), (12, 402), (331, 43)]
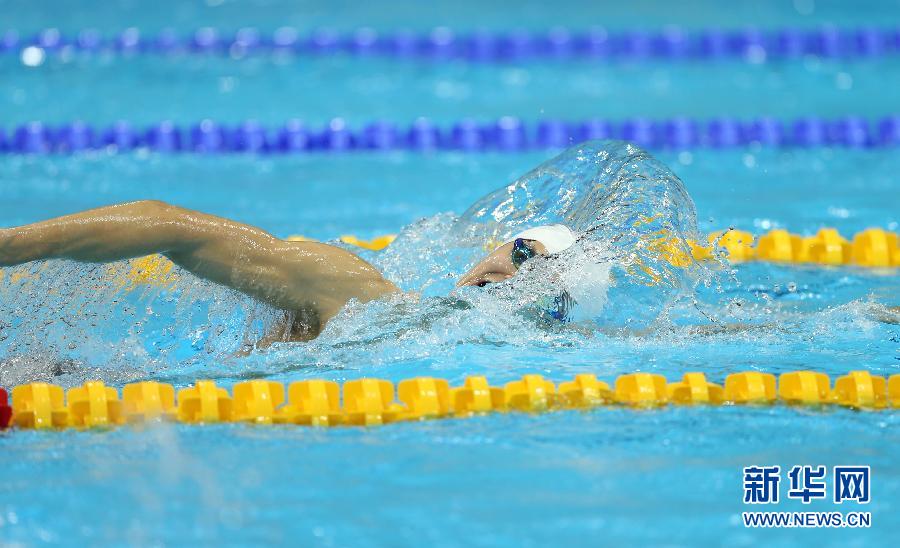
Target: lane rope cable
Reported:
[(750, 44), (507, 134)]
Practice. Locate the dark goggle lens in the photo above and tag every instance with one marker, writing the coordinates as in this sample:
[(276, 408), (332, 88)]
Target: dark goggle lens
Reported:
[(521, 252)]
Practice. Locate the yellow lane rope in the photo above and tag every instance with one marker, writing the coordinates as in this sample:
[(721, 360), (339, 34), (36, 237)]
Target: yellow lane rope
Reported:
[(370, 402)]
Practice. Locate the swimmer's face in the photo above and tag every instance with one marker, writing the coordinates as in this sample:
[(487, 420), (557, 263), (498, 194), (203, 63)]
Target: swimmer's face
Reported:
[(497, 266)]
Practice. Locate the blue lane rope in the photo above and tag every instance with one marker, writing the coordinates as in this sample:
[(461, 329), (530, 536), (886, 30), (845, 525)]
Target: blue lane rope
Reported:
[(748, 43), (507, 134)]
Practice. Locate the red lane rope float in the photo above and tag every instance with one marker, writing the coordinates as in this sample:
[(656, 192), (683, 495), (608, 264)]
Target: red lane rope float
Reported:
[(5, 409)]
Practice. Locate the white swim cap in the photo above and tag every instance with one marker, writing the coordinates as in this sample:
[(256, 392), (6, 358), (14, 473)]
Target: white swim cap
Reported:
[(555, 238)]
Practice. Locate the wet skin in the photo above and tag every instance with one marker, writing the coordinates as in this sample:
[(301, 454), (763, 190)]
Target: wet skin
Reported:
[(497, 266), (310, 281)]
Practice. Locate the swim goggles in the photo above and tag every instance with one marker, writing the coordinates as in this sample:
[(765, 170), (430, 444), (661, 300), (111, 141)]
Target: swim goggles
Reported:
[(521, 252), (556, 308)]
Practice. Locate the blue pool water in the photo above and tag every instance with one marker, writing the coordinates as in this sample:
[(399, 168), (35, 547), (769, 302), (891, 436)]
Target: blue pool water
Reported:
[(608, 476)]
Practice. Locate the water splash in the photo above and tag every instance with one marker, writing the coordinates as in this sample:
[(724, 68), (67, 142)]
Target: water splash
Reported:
[(620, 201), (632, 215), (63, 320), (637, 291)]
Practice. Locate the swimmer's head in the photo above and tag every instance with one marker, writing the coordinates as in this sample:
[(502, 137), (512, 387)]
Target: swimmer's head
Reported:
[(504, 262)]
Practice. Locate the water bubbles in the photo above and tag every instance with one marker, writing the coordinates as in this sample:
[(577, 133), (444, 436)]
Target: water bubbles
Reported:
[(755, 54), (764, 224), (843, 81), (441, 36), (516, 77), (227, 84), (805, 7), (33, 56), (337, 124)]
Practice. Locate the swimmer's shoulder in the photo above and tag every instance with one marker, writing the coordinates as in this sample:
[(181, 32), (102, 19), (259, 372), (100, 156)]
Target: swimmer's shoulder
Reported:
[(331, 276)]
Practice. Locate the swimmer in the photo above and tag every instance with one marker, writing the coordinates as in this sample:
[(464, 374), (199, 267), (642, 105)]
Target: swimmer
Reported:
[(310, 281)]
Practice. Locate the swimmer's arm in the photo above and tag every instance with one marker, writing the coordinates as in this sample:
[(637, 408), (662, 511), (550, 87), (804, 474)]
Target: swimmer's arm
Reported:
[(286, 275), (693, 330)]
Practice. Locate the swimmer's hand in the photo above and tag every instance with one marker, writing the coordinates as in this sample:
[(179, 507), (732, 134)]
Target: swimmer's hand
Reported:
[(689, 330), (886, 314), (309, 277)]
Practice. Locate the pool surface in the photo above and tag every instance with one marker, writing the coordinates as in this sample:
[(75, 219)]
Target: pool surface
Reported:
[(608, 476)]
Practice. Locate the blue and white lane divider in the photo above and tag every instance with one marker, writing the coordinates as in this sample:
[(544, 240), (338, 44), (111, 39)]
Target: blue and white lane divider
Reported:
[(750, 43), (507, 134)]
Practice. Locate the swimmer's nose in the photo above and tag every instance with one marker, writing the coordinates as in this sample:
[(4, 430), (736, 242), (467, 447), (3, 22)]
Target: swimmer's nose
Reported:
[(481, 280), (469, 281)]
